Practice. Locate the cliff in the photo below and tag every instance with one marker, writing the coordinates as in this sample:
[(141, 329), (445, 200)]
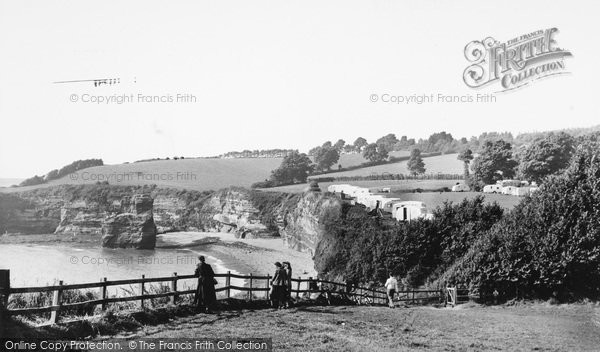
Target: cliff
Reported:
[(116, 216), (135, 228)]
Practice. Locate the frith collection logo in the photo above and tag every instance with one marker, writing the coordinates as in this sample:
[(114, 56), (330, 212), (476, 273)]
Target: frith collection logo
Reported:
[(516, 62)]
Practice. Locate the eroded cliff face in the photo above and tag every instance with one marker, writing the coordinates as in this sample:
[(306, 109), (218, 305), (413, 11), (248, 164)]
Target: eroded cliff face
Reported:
[(133, 229), (120, 218), (233, 211), (302, 226)]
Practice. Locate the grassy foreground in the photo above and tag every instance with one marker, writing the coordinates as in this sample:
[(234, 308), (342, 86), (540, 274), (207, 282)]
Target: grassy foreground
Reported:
[(524, 327)]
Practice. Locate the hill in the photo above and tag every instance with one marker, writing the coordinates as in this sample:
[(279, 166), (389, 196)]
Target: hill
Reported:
[(200, 174), (194, 174), (447, 164)]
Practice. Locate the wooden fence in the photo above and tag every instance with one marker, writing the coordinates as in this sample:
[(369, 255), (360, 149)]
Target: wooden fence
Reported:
[(253, 284)]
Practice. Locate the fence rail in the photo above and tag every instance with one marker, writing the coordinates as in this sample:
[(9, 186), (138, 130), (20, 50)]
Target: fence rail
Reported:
[(254, 283)]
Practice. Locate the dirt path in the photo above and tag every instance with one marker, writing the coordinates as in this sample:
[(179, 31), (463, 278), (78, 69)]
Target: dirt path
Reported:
[(537, 327)]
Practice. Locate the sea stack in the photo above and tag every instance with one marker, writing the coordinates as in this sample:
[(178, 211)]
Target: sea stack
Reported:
[(133, 229)]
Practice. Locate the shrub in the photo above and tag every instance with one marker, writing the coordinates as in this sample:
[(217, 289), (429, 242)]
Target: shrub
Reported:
[(549, 243)]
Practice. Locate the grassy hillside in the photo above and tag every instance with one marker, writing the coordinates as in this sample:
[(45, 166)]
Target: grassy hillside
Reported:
[(195, 174), (347, 160), (465, 328), (447, 164)]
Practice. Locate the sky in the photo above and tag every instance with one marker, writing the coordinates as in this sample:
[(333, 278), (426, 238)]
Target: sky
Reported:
[(267, 74)]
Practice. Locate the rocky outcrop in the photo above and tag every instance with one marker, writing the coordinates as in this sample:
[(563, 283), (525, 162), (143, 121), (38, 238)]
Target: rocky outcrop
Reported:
[(302, 227), (133, 229), (233, 211), (120, 217), (29, 216), (80, 217), (169, 213)]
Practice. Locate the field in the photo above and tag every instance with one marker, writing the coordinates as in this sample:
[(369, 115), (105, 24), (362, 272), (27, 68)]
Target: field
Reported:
[(525, 327), (395, 185), (196, 174), (446, 164), (347, 160), (435, 199)]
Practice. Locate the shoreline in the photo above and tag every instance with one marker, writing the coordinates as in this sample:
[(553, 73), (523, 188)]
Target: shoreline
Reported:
[(256, 256), (222, 250)]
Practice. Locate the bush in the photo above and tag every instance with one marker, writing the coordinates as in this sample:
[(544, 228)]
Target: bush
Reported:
[(549, 244), (360, 247)]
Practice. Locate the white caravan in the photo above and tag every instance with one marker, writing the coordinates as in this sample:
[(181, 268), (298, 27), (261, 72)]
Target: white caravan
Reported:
[(411, 210), (460, 187), (370, 200), (509, 190), (388, 204), (497, 188)]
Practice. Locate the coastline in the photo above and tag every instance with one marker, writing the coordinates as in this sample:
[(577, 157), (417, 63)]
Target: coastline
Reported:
[(256, 256), (174, 252)]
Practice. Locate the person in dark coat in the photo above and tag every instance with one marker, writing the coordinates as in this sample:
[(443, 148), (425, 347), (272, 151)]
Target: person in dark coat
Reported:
[(205, 298), (278, 282), (288, 284)]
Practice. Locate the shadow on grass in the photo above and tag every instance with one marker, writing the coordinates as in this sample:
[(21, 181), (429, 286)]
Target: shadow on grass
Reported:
[(114, 321)]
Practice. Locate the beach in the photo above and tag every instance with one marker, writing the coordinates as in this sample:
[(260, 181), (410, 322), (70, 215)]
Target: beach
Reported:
[(245, 256)]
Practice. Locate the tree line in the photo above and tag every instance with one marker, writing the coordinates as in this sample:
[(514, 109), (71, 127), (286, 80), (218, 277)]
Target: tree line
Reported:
[(65, 170), (548, 246), (546, 155)]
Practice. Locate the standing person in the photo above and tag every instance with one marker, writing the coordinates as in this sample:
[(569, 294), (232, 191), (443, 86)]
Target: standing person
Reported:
[(391, 286), (288, 284), (205, 298), (279, 281)]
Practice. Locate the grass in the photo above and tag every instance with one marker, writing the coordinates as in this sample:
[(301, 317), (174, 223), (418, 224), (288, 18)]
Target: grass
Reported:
[(515, 326), (435, 199), (395, 185), (359, 328), (399, 189), (348, 160), (198, 174), (193, 174), (447, 164)]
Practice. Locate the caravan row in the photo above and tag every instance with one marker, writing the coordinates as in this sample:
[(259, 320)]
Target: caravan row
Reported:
[(511, 187), (400, 210)]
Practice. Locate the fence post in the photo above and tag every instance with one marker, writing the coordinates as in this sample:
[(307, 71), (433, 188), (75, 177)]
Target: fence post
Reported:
[(174, 289), (373, 297), (454, 295), (56, 303), (142, 292), (228, 283), (104, 293), (298, 286), (250, 292), (268, 286), (4, 287)]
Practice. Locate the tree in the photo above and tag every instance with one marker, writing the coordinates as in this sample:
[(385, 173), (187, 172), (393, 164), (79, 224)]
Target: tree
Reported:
[(415, 164), (546, 156), (325, 157), (549, 244), (52, 175), (388, 141), (35, 180), (295, 167), (466, 156), (359, 144), (327, 145), (494, 163), (375, 152), (339, 145)]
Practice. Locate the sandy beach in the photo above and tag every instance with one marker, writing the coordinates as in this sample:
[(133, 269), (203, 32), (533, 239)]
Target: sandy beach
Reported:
[(256, 256)]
